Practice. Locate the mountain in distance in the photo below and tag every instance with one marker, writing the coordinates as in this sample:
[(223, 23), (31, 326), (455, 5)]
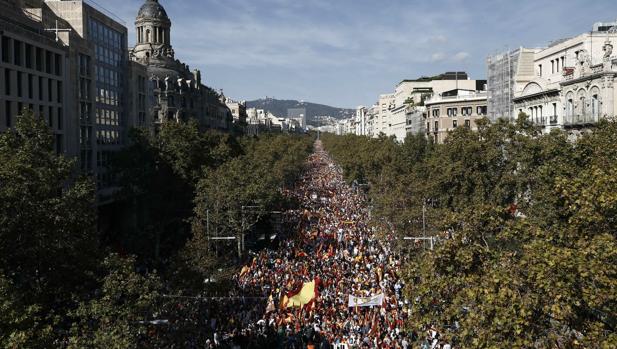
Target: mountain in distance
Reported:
[(280, 107)]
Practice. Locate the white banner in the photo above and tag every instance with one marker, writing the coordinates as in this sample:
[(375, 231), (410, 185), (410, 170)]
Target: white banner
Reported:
[(375, 300)]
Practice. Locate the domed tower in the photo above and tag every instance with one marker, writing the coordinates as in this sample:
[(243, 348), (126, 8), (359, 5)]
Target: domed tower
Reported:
[(153, 34)]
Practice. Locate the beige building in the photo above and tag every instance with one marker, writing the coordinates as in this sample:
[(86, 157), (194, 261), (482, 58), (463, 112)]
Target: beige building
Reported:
[(452, 109)]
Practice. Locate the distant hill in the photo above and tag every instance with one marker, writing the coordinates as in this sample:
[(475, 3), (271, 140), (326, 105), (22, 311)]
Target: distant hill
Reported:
[(280, 107)]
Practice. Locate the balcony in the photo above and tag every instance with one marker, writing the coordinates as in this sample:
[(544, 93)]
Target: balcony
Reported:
[(580, 120), (553, 119), (539, 120)]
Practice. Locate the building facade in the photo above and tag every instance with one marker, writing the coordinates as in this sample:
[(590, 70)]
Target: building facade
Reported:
[(573, 86), (69, 62), (178, 92), (452, 109), (400, 113), (34, 73), (507, 74)]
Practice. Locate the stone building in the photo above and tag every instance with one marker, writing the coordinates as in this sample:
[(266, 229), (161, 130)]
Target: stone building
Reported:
[(573, 84), (238, 112), (178, 93), (34, 72), (451, 109)]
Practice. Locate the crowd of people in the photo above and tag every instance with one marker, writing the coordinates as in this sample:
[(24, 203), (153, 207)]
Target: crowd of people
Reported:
[(334, 246)]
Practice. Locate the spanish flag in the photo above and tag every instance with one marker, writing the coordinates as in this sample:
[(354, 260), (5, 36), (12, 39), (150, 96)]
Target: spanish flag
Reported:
[(302, 298)]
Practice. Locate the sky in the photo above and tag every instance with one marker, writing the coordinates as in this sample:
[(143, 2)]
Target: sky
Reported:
[(345, 53)]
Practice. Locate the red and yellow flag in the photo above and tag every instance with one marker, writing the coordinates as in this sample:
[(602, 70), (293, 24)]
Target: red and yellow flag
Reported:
[(302, 298)]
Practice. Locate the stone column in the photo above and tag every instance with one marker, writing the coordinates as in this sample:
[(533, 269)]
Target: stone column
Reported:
[(608, 104)]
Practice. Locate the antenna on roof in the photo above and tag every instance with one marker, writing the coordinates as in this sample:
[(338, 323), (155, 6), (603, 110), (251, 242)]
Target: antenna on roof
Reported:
[(58, 30)]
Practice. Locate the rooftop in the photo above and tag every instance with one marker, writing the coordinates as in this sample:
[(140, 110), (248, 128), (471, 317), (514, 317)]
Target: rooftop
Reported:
[(461, 75)]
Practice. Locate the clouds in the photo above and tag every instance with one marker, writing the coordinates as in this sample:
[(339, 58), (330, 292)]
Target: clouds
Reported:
[(343, 52), (461, 56), (438, 57)]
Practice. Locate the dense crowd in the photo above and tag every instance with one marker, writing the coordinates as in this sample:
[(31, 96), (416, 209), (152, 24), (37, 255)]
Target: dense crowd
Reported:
[(335, 247)]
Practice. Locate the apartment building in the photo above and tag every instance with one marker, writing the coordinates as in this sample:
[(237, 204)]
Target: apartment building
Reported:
[(451, 109)]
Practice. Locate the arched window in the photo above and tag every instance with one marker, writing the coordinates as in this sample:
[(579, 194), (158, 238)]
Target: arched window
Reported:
[(569, 104), (582, 102), (595, 103)]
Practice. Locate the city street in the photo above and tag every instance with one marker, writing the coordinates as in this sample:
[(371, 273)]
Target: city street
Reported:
[(334, 248)]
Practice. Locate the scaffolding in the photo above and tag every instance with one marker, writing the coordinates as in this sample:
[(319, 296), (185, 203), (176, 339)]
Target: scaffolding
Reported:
[(501, 72)]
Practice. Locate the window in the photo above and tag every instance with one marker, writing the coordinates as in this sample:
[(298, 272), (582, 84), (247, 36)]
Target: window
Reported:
[(28, 56), (454, 123), (17, 45), (7, 82), (19, 84), (60, 119), (554, 109), (9, 113), (39, 59), (428, 126), (58, 64), (468, 123), (6, 49), (84, 112), (569, 107), (59, 92), (40, 88), (540, 70), (552, 67), (30, 86), (436, 126), (557, 65), (48, 58), (49, 90), (583, 105), (595, 106)]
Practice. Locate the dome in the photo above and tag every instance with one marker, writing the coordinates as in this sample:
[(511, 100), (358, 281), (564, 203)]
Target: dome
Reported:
[(151, 9)]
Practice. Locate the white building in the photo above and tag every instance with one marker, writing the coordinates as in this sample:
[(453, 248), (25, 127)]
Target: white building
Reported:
[(361, 121), (395, 110), (573, 83)]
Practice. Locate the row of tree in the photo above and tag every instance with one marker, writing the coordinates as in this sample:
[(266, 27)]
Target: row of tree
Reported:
[(526, 222), (72, 278)]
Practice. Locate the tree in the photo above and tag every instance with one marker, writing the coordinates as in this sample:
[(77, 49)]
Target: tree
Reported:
[(159, 174), (526, 225), (119, 313), (47, 240)]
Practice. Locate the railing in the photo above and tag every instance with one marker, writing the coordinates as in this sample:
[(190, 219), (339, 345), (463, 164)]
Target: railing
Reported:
[(572, 120), (553, 119), (539, 120), (597, 68)]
